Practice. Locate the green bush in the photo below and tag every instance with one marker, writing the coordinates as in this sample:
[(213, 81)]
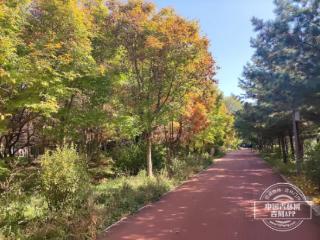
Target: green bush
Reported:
[(61, 208), (11, 214), (102, 169), (125, 195), (20, 202), (130, 159), (275, 160), (18, 208), (180, 169), (313, 165), (64, 178), (4, 171), (82, 224)]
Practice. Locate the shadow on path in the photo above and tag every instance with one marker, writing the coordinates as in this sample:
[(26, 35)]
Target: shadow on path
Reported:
[(215, 205)]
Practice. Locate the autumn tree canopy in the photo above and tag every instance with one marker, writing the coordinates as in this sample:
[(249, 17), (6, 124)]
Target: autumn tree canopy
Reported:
[(89, 73)]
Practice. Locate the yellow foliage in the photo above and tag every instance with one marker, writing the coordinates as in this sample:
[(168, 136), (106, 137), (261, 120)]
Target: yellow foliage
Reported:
[(53, 46), (153, 42), (65, 59), (316, 200), (307, 186)]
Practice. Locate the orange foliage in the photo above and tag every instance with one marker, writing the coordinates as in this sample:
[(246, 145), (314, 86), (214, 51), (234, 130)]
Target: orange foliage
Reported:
[(195, 117)]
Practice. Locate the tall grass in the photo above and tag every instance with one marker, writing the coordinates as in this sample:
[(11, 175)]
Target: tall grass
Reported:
[(26, 214)]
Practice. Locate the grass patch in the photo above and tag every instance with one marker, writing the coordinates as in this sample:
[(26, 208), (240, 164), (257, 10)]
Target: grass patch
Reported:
[(123, 196), (274, 159), (25, 211), (308, 187)]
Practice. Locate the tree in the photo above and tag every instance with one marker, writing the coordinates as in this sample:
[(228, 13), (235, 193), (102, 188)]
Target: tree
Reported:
[(58, 41), (12, 14), (14, 100), (282, 75), (233, 104), (163, 56)]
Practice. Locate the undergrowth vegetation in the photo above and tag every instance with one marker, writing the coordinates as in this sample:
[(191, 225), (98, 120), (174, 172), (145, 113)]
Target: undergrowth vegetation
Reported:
[(308, 181), (60, 203)]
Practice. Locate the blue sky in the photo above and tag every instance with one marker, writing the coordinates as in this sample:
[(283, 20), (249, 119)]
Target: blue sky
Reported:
[(227, 24)]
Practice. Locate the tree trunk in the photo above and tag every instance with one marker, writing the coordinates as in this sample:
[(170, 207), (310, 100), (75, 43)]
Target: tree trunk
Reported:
[(296, 135), (283, 147), (149, 155), (280, 146), (188, 149), (286, 146), (291, 145), (301, 143), (171, 143)]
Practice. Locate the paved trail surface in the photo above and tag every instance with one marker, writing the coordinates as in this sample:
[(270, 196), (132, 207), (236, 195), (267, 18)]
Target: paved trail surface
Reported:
[(215, 205)]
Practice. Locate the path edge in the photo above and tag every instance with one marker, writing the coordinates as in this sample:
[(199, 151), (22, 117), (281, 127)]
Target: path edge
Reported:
[(162, 196), (314, 207)]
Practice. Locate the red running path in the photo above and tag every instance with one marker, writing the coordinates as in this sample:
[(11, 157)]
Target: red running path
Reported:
[(214, 205)]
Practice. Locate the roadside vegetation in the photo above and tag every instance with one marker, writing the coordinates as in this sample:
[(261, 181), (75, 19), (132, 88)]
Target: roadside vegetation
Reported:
[(282, 81), (307, 180), (104, 107), (60, 203)]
